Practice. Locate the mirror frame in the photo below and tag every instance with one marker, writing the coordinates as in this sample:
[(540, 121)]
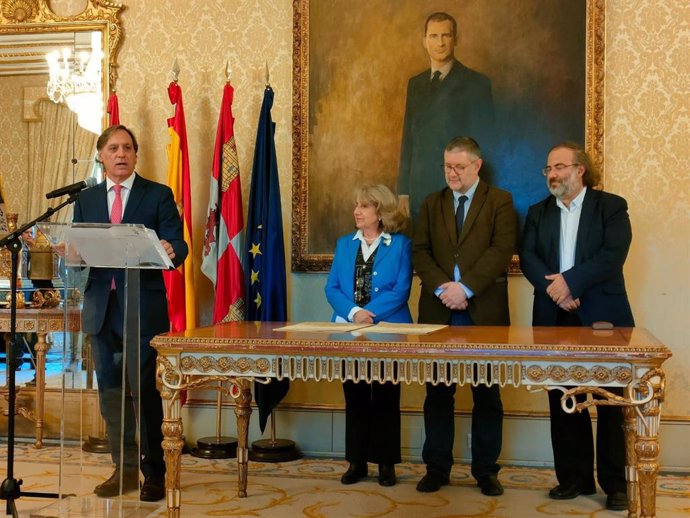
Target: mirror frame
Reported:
[(36, 16)]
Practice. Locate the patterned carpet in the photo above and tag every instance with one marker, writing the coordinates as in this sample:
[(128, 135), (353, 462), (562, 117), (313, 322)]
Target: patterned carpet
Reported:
[(311, 488)]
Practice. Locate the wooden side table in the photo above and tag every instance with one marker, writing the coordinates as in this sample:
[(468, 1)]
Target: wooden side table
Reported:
[(40, 321)]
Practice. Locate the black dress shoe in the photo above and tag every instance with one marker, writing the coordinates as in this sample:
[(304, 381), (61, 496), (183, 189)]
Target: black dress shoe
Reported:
[(569, 492), (354, 473), (111, 487), (387, 475), (432, 482), (617, 501), (490, 485), (153, 489)]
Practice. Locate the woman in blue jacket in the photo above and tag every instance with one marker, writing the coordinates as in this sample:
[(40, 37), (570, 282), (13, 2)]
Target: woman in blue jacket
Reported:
[(369, 282)]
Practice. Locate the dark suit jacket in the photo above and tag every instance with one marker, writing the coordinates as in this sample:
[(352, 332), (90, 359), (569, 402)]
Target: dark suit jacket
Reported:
[(152, 205), (462, 105), (483, 253), (603, 240), (390, 281)]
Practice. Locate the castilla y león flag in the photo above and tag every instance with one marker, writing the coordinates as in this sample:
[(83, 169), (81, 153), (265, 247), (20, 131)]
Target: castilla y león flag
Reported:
[(223, 243)]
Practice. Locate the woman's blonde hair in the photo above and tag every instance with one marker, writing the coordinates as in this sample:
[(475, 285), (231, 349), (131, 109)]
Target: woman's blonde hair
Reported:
[(386, 203)]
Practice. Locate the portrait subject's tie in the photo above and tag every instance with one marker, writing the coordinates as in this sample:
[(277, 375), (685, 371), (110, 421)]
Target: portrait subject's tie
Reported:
[(460, 214), (116, 216), (436, 80)]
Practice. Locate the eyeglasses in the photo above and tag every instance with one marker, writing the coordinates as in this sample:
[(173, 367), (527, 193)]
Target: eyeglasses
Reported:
[(457, 168), (558, 167)]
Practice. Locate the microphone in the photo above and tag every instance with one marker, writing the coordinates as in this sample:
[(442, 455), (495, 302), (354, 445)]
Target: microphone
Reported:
[(72, 189)]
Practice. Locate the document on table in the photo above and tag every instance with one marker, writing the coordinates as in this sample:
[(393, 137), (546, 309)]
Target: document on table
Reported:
[(402, 329), (381, 327), (324, 327)]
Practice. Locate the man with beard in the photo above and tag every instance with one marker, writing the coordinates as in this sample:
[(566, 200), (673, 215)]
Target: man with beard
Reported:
[(573, 249)]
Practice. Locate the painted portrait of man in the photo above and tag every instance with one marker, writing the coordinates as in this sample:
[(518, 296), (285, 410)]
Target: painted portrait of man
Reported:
[(513, 76)]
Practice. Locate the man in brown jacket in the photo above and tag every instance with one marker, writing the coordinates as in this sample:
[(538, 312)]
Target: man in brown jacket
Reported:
[(464, 239)]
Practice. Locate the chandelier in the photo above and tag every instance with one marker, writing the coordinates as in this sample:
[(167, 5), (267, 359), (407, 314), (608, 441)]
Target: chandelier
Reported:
[(75, 79)]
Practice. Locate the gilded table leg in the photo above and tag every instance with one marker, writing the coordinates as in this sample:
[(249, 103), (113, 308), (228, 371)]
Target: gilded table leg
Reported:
[(172, 449), (647, 452), (243, 410), (630, 459), (41, 348)]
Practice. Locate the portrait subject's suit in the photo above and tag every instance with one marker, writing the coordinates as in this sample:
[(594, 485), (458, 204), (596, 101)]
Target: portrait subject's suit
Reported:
[(603, 239), (461, 105), (372, 412), (151, 204), (483, 253)]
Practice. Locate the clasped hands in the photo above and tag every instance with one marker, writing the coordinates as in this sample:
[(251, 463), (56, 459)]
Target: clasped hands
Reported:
[(453, 296), (559, 292)]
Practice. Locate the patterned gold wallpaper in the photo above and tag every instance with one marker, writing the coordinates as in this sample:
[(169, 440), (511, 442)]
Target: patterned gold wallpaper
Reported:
[(647, 120)]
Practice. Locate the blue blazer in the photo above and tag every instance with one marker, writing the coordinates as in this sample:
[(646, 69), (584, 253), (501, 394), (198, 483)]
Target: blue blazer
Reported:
[(151, 204), (603, 239), (390, 281)]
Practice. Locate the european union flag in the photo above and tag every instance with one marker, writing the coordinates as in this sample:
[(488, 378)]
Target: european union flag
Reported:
[(265, 279)]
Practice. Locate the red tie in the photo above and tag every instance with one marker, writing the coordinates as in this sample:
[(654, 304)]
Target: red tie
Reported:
[(116, 216), (116, 211)]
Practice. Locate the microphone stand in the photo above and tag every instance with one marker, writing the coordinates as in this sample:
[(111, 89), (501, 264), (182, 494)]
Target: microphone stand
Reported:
[(10, 490)]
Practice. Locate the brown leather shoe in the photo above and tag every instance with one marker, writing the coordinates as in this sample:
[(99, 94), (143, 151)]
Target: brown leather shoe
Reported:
[(111, 487), (153, 488)]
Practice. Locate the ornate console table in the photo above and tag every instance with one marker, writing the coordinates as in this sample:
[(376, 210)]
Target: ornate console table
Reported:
[(40, 321), (553, 358)]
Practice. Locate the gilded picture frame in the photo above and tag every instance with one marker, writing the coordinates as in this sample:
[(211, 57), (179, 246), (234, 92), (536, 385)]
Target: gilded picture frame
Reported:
[(352, 60)]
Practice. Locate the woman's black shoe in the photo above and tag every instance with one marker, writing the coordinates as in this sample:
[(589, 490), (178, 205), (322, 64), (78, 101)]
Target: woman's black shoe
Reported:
[(354, 473), (387, 475)]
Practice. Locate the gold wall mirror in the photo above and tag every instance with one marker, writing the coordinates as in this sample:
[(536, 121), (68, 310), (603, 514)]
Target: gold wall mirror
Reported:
[(47, 143)]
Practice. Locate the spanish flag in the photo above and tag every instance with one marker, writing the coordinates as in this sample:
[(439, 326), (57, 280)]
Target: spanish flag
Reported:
[(179, 283)]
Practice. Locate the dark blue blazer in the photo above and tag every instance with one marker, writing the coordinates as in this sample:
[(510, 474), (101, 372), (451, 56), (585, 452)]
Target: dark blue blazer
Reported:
[(390, 280), (603, 239), (152, 205)]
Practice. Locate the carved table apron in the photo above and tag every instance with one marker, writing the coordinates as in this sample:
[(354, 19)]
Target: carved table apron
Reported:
[(549, 358)]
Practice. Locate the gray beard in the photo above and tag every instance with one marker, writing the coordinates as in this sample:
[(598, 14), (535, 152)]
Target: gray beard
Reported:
[(564, 189)]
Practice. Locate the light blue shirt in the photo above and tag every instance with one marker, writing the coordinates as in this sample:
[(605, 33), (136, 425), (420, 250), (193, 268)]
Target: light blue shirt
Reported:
[(456, 271), (570, 221)]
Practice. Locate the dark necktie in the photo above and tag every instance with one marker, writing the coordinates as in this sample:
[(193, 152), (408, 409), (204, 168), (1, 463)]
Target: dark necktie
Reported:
[(460, 214), (436, 80)]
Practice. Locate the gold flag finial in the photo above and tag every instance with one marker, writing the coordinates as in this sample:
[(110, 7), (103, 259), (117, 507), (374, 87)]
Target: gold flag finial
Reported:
[(228, 71), (268, 77), (175, 70)]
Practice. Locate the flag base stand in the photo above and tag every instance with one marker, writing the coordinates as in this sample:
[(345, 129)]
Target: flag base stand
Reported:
[(215, 448), (274, 450)]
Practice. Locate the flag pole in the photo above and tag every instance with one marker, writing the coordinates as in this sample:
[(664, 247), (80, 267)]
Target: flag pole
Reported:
[(218, 446)]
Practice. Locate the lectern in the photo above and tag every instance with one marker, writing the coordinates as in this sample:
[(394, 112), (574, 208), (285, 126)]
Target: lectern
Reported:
[(119, 247)]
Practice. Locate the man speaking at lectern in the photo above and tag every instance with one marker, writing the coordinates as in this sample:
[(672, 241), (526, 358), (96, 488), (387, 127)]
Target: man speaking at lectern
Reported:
[(126, 197)]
